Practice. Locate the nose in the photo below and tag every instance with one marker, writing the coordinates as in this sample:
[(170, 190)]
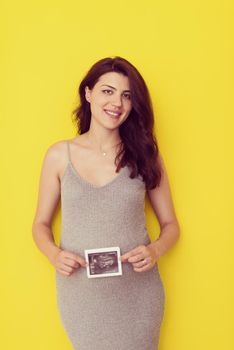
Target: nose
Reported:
[(117, 101)]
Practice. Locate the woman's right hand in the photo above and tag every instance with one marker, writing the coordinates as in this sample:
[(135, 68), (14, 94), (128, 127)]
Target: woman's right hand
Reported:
[(67, 262)]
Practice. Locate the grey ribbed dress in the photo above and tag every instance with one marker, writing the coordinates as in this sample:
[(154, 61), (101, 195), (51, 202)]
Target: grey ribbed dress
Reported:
[(117, 312)]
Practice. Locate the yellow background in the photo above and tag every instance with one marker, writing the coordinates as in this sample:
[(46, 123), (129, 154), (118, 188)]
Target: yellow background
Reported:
[(184, 51)]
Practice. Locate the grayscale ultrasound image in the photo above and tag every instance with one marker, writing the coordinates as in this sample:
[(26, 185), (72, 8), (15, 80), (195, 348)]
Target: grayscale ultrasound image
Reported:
[(100, 263)]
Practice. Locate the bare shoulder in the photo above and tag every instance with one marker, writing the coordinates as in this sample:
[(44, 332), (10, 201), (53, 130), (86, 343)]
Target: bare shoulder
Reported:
[(50, 184), (56, 157), (56, 151)]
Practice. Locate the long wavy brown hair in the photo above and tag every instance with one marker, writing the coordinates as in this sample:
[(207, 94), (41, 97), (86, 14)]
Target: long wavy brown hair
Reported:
[(139, 145)]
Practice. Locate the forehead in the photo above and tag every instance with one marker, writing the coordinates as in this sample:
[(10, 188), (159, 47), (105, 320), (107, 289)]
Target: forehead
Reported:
[(114, 79)]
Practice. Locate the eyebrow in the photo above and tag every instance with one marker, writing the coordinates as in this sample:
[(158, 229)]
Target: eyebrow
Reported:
[(114, 87)]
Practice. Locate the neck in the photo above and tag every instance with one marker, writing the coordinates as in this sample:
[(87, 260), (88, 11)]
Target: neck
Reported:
[(102, 141)]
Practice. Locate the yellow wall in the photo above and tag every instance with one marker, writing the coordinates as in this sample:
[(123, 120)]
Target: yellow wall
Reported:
[(183, 50)]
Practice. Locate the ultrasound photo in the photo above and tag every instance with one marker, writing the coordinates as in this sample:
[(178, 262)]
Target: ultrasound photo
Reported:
[(103, 262)]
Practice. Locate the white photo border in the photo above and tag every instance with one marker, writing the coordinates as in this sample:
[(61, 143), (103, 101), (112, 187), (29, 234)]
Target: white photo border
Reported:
[(103, 250)]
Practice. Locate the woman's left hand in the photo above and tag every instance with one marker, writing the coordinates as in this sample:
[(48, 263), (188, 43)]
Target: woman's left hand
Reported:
[(143, 258)]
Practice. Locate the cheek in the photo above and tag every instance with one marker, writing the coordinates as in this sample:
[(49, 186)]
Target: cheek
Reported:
[(98, 104), (101, 100), (128, 103), (129, 106)]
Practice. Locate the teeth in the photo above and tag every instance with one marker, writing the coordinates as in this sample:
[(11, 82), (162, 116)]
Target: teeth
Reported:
[(112, 113)]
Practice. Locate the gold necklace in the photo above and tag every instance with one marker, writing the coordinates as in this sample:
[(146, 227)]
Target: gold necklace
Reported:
[(104, 153)]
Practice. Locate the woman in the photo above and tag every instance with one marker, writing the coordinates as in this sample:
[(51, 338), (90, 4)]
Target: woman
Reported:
[(102, 176)]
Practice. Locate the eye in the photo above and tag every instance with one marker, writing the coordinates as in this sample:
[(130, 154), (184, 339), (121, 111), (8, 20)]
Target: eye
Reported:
[(128, 96), (107, 91)]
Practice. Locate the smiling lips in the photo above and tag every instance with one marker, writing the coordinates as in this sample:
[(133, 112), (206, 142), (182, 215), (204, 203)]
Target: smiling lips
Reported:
[(112, 113)]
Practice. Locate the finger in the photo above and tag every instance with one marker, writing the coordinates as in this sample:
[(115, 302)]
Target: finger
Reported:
[(70, 255), (127, 255), (66, 268), (63, 272), (143, 268), (67, 273), (71, 262), (140, 263), (76, 257), (123, 259), (132, 252), (146, 267), (136, 258)]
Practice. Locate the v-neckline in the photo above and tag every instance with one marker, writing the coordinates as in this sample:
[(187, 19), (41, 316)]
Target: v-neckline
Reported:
[(87, 183)]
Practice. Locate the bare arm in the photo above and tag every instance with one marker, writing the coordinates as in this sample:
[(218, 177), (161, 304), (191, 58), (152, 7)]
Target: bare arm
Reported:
[(162, 204), (49, 195), (48, 198)]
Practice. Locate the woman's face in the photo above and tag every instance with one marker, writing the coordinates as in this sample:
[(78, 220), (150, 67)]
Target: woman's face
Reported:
[(110, 99)]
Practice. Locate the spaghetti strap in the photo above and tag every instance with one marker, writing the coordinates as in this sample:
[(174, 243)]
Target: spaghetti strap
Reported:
[(68, 152)]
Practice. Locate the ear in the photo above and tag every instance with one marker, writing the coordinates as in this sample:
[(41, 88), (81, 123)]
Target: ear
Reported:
[(87, 93)]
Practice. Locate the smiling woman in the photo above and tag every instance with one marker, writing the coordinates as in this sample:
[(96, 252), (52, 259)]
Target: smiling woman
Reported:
[(129, 98), (102, 176), (114, 102)]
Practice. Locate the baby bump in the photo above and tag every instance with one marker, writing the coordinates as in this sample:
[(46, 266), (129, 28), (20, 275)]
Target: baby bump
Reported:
[(140, 291)]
